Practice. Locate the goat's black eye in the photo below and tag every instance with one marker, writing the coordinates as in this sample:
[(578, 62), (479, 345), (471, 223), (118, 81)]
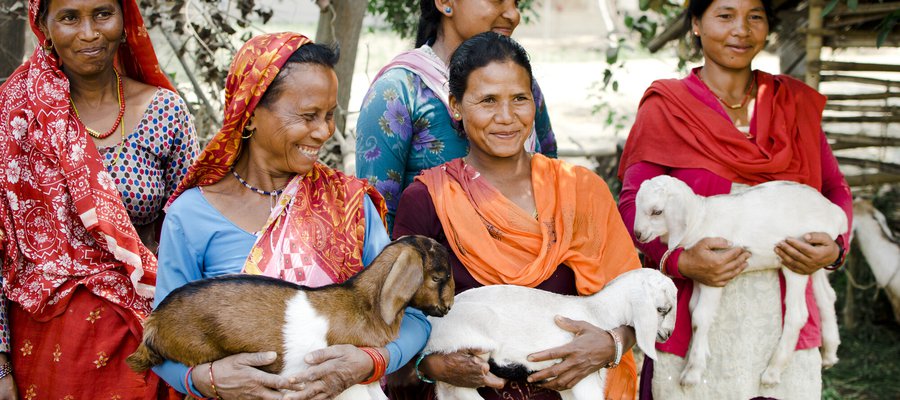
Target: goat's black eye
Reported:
[(656, 212), (437, 279), (663, 310)]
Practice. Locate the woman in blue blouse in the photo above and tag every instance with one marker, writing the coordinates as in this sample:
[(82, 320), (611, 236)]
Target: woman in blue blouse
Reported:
[(405, 125)]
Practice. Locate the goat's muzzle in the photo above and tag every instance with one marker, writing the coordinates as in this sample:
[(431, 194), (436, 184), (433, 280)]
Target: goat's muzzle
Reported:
[(436, 311), (663, 336)]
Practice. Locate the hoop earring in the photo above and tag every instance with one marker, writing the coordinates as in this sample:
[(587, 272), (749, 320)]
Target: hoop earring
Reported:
[(48, 44), (124, 36), (248, 136)]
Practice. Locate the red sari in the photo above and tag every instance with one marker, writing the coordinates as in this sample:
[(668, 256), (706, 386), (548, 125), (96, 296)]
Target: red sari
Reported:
[(78, 278)]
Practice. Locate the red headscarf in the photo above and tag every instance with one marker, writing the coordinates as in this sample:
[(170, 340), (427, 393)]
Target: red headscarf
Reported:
[(315, 234), (675, 129), (62, 214)]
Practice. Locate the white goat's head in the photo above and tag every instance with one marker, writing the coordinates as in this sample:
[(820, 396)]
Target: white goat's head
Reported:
[(660, 210), (652, 296)]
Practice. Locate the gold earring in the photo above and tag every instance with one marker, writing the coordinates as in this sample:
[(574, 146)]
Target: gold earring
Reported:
[(456, 116), (248, 135), (48, 44)]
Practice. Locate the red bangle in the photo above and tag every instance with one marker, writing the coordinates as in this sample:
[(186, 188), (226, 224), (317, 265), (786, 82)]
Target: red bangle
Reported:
[(212, 383), (378, 361)]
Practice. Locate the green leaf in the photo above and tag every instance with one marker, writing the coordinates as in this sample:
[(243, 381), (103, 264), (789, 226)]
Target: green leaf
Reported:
[(644, 5), (829, 7), (629, 21), (612, 54), (615, 86)]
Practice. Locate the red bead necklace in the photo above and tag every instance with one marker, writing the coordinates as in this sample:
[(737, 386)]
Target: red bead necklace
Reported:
[(724, 103), (120, 88)]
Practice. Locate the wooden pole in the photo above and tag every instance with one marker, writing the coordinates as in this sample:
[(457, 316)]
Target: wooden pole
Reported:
[(814, 43)]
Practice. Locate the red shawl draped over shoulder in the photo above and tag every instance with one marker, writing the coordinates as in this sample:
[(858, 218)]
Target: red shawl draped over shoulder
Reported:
[(675, 129), (316, 232), (61, 212)]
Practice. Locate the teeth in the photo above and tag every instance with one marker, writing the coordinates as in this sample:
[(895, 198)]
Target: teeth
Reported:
[(309, 152)]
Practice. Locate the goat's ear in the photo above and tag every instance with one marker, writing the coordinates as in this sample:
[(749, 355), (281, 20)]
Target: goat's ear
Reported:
[(404, 279), (676, 218), (645, 321)]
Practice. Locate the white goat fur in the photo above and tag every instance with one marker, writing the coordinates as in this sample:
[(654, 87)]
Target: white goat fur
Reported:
[(756, 219), (510, 322), (880, 248)]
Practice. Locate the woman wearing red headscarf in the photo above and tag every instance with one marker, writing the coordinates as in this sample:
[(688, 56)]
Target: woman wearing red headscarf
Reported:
[(93, 140), (723, 127)]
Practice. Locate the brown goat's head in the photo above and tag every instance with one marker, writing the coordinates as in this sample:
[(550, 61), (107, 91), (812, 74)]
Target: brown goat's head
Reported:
[(430, 290)]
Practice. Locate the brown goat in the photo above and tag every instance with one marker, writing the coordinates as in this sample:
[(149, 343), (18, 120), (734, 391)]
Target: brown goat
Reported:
[(209, 319)]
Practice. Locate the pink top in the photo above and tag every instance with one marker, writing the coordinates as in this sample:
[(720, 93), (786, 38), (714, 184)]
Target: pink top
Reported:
[(706, 183)]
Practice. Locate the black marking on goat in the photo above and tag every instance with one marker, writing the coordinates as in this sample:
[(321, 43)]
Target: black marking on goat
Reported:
[(225, 280), (512, 372)]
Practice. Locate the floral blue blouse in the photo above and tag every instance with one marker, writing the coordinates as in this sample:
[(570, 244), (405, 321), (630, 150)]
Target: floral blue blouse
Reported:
[(404, 128)]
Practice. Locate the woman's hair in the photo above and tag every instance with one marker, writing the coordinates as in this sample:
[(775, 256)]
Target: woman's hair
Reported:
[(311, 53), (696, 8), (429, 22), (481, 50)]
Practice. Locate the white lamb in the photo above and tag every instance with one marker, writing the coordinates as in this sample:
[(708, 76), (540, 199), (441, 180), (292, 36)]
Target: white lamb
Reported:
[(755, 219), (510, 322)]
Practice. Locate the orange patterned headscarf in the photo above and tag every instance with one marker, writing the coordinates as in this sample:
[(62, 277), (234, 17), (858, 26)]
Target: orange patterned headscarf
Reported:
[(254, 68), (316, 232)]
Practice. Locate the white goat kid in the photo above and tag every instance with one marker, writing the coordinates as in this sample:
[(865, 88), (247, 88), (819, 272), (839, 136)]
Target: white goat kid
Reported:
[(880, 248), (510, 322), (756, 219)]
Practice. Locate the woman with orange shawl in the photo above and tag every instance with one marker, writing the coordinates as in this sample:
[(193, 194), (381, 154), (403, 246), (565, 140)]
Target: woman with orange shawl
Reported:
[(258, 202), (78, 278), (724, 127), (511, 217)]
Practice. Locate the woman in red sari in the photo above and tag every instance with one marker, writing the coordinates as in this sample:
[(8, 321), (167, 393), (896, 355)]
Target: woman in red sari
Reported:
[(723, 127), (78, 278)]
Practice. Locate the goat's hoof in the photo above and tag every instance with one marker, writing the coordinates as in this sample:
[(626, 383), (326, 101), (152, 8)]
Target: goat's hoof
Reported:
[(690, 377), (771, 377), (828, 360)]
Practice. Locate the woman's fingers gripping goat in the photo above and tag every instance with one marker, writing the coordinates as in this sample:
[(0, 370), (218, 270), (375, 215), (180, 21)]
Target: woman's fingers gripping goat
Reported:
[(238, 378), (332, 370), (464, 368), (713, 262), (591, 349), (806, 256)]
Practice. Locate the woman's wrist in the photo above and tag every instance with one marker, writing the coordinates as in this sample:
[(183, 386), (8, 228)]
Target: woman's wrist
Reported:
[(196, 383), (430, 366)]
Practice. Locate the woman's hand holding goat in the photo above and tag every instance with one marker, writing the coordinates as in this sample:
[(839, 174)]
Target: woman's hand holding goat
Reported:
[(591, 349), (463, 368), (806, 256), (712, 262), (237, 377), (331, 371)]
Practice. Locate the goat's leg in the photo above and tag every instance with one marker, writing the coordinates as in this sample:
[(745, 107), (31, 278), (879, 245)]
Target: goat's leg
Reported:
[(589, 388), (703, 314), (446, 391), (825, 298), (795, 315)]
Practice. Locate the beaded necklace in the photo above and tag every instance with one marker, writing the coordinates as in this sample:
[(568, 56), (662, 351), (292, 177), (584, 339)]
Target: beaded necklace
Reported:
[(724, 103), (273, 195), (120, 92)]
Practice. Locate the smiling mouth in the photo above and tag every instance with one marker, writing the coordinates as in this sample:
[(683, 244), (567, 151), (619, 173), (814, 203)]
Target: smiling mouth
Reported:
[(309, 152), (92, 51), (503, 31)]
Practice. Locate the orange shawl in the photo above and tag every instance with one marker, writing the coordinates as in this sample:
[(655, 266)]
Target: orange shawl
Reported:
[(578, 225)]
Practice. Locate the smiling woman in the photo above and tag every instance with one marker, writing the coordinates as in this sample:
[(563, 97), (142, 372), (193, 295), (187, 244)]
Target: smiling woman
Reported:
[(258, 202), (516, 218), (94, 139), (720, 128)]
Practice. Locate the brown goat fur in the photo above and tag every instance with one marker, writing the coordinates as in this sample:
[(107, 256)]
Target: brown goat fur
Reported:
[(209, 319)]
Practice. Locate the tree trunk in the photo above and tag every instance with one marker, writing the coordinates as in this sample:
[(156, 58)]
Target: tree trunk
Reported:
[(12, 41), (341, 22)]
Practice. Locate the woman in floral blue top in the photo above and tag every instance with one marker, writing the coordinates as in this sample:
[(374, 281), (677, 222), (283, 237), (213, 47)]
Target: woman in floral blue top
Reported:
[(405, 125)]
